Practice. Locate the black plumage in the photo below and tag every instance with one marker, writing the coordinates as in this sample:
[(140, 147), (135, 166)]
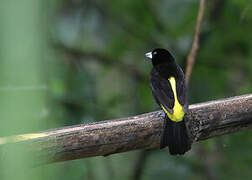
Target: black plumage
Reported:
[(166, 75)]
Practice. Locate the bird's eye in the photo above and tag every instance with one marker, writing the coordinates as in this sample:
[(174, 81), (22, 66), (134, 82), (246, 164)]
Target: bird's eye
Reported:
[(155, 52)]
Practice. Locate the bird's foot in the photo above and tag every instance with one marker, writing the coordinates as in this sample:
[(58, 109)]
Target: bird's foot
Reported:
[(161, 114)]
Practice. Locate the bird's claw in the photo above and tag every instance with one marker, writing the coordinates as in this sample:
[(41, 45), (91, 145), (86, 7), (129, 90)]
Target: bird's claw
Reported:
[(161, 114)]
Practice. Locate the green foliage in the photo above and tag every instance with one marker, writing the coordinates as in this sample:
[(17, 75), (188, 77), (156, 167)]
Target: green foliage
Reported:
[(110, 79)]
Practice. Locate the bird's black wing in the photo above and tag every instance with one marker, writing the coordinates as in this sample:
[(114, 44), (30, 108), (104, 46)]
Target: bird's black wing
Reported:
[(182, 90), (162, 91)]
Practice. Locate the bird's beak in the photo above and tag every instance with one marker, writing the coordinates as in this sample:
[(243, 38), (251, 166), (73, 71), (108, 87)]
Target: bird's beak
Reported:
[(148, 55)]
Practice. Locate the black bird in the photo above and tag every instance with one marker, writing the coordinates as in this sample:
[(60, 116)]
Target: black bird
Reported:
[(169, 90)]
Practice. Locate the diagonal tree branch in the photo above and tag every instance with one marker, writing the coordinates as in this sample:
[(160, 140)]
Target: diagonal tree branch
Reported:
[(195, 45), (205, 120)]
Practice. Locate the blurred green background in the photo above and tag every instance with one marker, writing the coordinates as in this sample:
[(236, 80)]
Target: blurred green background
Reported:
[(75, 61)]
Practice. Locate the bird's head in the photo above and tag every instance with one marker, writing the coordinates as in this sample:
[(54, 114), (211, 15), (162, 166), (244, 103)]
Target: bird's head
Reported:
[(159, 56)]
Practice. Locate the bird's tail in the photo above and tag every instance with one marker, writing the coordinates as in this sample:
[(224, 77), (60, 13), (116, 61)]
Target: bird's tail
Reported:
[(175, 137)]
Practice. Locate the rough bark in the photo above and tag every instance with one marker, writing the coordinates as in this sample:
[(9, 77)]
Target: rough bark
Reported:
[(204, 121)]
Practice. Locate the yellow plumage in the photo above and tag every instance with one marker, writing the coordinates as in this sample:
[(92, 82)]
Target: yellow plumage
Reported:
[(178, 112)]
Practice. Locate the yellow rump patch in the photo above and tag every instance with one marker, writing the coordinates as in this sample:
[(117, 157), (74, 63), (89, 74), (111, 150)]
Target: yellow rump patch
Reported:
[(178, 112)]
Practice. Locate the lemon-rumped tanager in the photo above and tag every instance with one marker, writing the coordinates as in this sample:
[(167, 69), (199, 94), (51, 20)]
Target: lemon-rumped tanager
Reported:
[(169, 90)]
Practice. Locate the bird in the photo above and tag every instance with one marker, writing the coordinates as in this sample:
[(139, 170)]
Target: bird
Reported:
[(167, 81)]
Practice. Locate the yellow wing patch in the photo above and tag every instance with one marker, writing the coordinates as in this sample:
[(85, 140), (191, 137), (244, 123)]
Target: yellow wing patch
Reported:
[(178, 112)]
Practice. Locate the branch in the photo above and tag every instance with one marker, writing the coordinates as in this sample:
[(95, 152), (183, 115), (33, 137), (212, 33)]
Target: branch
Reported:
[(205, 120), (195, 46)]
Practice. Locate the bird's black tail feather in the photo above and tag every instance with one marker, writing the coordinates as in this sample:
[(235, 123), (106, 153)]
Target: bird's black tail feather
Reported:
[(175, 137)]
